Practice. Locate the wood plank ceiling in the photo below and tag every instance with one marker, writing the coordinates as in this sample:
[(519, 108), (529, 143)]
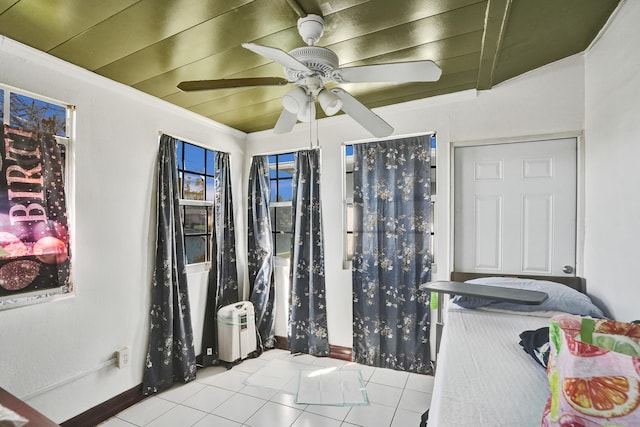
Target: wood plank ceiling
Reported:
[(152, 45)]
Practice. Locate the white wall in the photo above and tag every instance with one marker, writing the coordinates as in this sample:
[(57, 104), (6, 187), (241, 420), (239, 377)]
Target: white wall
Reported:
[(117, 131), (546, 101), (612, 114), (114, 235)]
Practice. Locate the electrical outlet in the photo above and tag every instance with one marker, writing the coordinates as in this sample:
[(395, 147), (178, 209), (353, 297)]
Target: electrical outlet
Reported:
[(122, 357)]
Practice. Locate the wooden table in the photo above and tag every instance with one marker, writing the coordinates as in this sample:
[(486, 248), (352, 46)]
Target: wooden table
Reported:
[(494, 293), (36, 419)]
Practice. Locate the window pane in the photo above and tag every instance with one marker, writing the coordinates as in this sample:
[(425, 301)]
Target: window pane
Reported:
[(195, 219), (283, 245), (193, 158), (433, 181), (272, 167), (193, 187), (349, 246), (272, 214), (285, 170), (179, 151), (286, 165), (211, 189), (287, 157), (36, 115), (349, 218), (1, 105), (211, 162), (282, 220), (349, 150), (180, 184), (196, 249), (285, 193), (348, 185), (274, 191)]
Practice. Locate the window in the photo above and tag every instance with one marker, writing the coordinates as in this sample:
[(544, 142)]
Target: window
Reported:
[(44, 223), (281, 168), (347, 156), (197, 193), (348, 202), (35, 113)]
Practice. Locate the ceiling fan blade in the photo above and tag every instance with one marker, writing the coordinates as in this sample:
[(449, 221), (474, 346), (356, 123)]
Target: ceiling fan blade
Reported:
[(395, 72), (361, 114), (285, 122), (194, 85), (277, 55)]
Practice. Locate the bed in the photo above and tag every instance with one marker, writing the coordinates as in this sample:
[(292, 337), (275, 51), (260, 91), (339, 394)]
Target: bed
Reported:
[(483, 375)]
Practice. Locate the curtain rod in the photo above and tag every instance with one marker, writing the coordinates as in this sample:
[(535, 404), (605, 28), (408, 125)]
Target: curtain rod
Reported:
[(409, 135)]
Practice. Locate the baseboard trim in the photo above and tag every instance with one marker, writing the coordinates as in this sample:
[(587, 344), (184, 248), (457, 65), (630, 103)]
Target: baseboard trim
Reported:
[(119, 403), (335, 351), (282, 343), (342, 353), (106, 410)]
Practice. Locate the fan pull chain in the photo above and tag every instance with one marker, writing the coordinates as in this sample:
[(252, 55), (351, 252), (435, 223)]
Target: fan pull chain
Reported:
[(310, 127)]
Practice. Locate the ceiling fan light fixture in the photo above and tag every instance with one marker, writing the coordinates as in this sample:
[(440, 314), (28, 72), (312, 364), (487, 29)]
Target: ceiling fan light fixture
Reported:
[(295, 100), (307, 112), (329, 102)]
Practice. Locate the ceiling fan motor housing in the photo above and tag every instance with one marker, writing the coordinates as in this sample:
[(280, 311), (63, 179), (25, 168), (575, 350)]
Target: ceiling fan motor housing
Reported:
[(320, 60), (311, 28)]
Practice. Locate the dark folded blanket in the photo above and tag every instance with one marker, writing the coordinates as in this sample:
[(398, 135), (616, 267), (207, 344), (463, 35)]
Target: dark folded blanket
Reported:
[(536, 343)]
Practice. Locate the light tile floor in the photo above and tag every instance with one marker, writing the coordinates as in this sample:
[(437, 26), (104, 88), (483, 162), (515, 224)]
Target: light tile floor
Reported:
[(220, 398)]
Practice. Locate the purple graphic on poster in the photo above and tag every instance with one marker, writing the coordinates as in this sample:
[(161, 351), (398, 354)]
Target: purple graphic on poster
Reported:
[(34, 237)]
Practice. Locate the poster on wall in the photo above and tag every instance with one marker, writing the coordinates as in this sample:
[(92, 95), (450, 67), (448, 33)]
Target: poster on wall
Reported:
[(35, 254)]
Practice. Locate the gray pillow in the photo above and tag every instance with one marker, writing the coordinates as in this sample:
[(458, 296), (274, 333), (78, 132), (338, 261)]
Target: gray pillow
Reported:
[(561, 297)]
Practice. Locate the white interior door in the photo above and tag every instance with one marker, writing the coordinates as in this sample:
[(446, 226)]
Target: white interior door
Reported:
[(515, 208)]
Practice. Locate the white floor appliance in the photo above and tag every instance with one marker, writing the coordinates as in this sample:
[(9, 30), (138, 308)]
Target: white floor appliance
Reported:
[(236, 331)]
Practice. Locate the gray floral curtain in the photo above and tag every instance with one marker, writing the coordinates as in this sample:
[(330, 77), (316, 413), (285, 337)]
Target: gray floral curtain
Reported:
[(171, 356), (223, 276), (392, 208), (260, 251), (308, 316)]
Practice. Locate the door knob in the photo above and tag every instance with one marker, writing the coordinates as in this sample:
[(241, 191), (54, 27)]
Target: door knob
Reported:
[(567, 269)]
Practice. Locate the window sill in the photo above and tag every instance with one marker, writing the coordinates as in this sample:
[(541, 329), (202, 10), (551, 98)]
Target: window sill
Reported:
[(200, 267)]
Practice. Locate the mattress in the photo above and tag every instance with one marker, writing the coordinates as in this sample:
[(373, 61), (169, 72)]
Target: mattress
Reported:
[(483, 376)]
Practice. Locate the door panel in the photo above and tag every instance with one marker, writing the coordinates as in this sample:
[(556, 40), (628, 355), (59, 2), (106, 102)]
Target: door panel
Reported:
[(488, 232), (515, 207)]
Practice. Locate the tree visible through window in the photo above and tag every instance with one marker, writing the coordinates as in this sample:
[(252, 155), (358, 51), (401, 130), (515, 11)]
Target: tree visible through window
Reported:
[(37, 115), (197, 193)]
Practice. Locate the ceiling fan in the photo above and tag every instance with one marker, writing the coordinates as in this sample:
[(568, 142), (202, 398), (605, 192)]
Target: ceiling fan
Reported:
[(310, 68)]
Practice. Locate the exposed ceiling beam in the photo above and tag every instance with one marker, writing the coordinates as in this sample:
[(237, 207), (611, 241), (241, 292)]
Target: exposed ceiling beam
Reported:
[(495, 23), (297, 8)]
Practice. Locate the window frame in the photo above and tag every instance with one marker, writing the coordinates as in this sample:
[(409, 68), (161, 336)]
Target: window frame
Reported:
[(186, 202), (280, 204), (68, 142)]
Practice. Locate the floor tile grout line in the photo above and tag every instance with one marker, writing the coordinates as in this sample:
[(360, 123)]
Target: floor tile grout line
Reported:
[(404, 391)]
